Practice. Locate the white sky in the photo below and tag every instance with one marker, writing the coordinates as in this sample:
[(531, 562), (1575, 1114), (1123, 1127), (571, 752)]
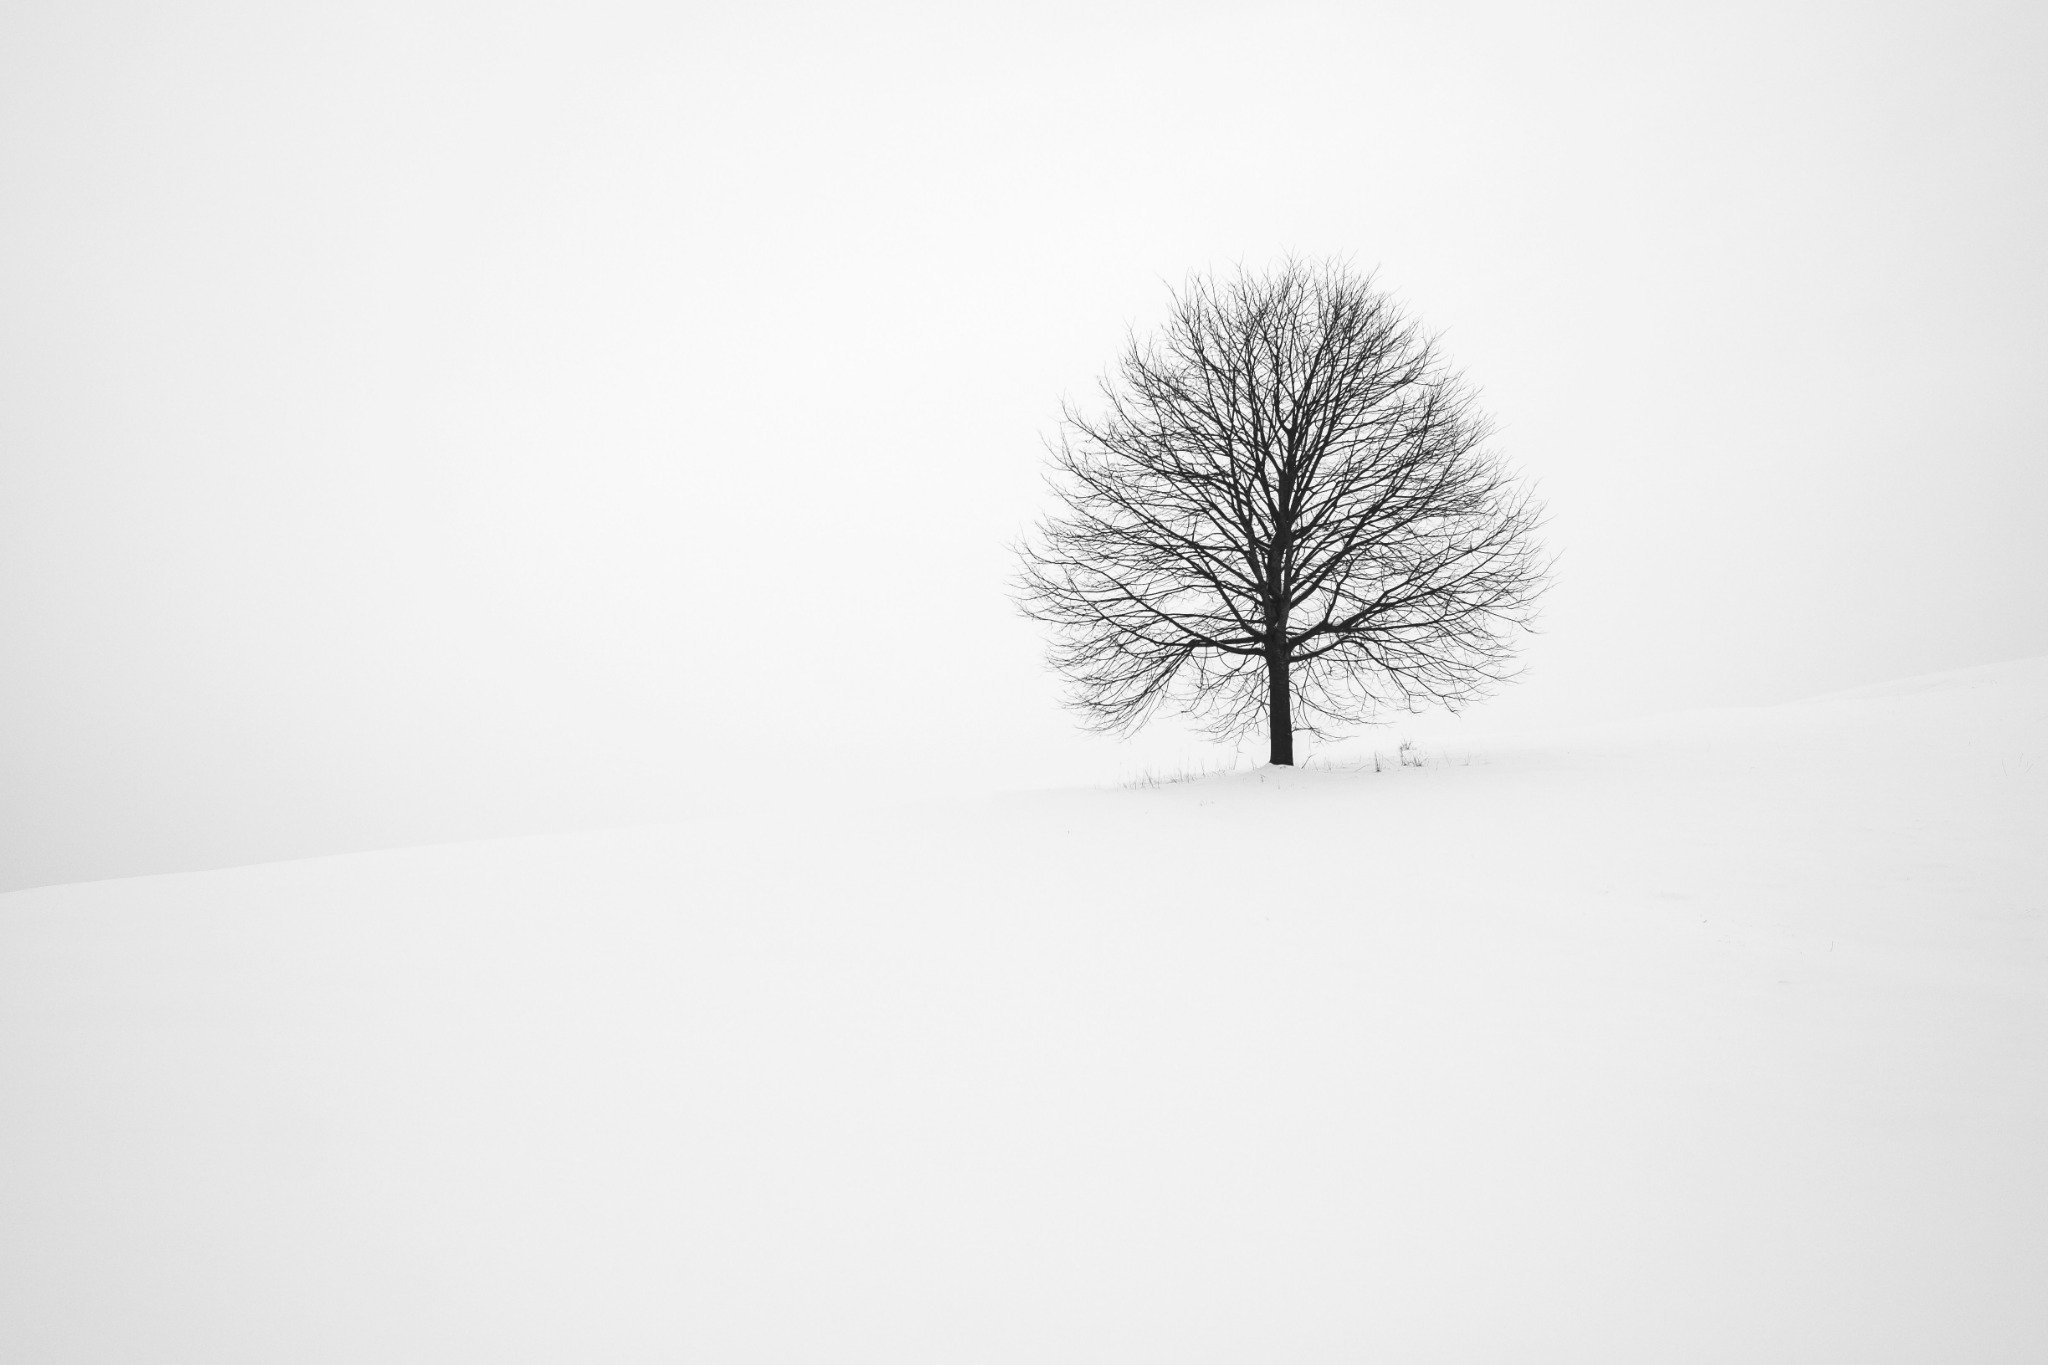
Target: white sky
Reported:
[(419, 422)]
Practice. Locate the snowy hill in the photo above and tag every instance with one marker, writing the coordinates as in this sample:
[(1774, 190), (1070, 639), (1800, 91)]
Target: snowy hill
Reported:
[(1719, 1037)]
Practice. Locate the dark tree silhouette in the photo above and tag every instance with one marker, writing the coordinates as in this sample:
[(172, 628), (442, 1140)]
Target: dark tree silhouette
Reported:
[(1286, 511)]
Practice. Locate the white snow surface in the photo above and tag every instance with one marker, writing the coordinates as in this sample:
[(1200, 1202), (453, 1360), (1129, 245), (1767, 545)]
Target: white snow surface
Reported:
[(1720, 1037)]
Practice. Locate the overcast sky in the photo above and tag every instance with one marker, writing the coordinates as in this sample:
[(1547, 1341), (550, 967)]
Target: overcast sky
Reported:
[(422, 421)]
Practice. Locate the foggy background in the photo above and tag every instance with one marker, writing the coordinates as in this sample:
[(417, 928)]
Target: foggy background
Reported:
[(425, 421)]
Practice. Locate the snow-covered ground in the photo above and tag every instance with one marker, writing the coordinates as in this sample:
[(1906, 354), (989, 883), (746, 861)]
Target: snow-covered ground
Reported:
[(1716, 1038)]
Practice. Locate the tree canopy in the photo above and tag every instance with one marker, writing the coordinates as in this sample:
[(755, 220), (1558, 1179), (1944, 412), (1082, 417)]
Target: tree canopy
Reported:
[(1284, 510)]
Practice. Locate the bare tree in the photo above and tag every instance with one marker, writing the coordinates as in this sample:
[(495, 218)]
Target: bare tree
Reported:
[(1286, 511)]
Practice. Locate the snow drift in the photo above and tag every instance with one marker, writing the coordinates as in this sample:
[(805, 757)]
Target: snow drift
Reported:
[(1718, 1037)]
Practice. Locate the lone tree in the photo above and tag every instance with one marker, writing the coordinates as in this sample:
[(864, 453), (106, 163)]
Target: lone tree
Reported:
[(1285, 510)]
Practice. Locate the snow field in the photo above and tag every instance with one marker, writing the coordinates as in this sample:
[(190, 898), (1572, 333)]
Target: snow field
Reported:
[(1718, 1037)]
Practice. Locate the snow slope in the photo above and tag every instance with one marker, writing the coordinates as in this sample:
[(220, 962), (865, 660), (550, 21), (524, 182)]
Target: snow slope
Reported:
[(1720, 1037)]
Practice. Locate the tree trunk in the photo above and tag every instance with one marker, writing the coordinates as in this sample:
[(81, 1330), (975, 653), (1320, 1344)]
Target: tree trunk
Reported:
[(1279, 710)]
